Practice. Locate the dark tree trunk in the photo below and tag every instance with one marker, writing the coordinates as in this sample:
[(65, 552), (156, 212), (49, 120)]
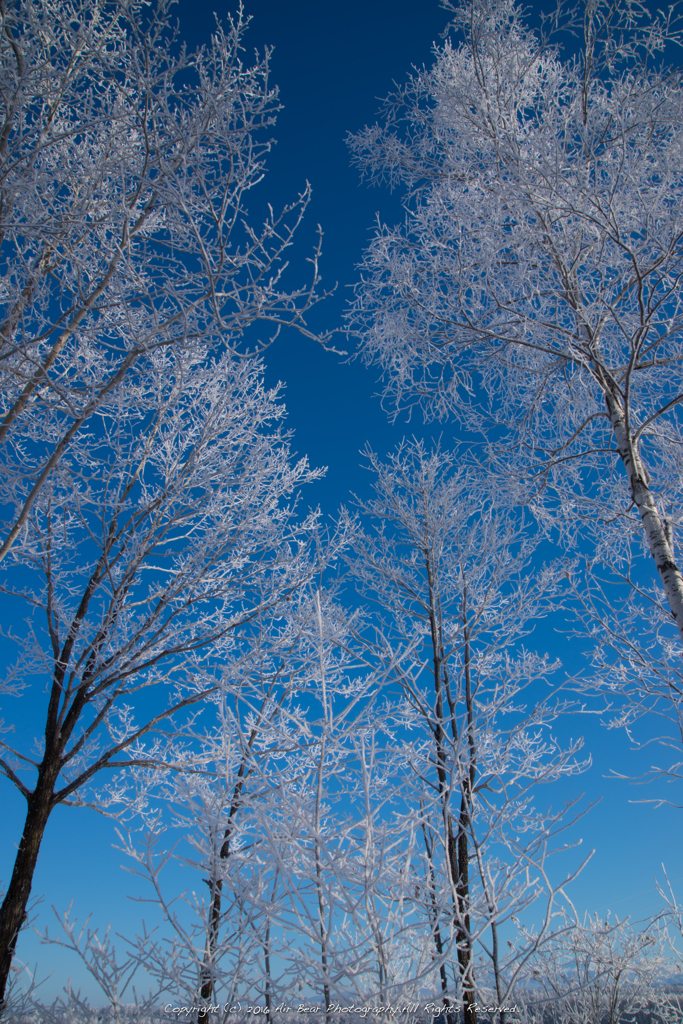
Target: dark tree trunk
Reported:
[(434, 922), (208, 971), (465, 956), (457, 847), (214, 922), (465, 963), (13, 911)]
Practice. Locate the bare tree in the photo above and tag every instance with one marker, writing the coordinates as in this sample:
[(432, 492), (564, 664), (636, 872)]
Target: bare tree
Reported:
[(319, 814), (535, 284), (601, 970), (159, 537), (449, 567), (125, 163), (215, 945), (286, 808)]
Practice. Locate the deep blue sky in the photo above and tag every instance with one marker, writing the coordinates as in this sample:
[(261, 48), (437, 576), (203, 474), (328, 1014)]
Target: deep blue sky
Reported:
[(332, 62)]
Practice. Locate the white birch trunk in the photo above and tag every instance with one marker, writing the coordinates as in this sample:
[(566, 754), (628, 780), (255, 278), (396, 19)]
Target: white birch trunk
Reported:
[(658, 535)]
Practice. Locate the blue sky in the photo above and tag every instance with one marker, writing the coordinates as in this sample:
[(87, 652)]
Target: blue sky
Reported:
[(332, 61)]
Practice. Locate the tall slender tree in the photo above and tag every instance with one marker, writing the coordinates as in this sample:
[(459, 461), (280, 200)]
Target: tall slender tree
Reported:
[(535, 286), (450, 568), (159, 537)]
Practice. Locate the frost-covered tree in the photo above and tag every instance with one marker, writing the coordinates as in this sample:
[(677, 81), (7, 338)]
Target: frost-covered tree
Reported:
[(125, 164), (168, 526), (282, 815), (321, 818), (601, 970), (535, 286), (449, 568)]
